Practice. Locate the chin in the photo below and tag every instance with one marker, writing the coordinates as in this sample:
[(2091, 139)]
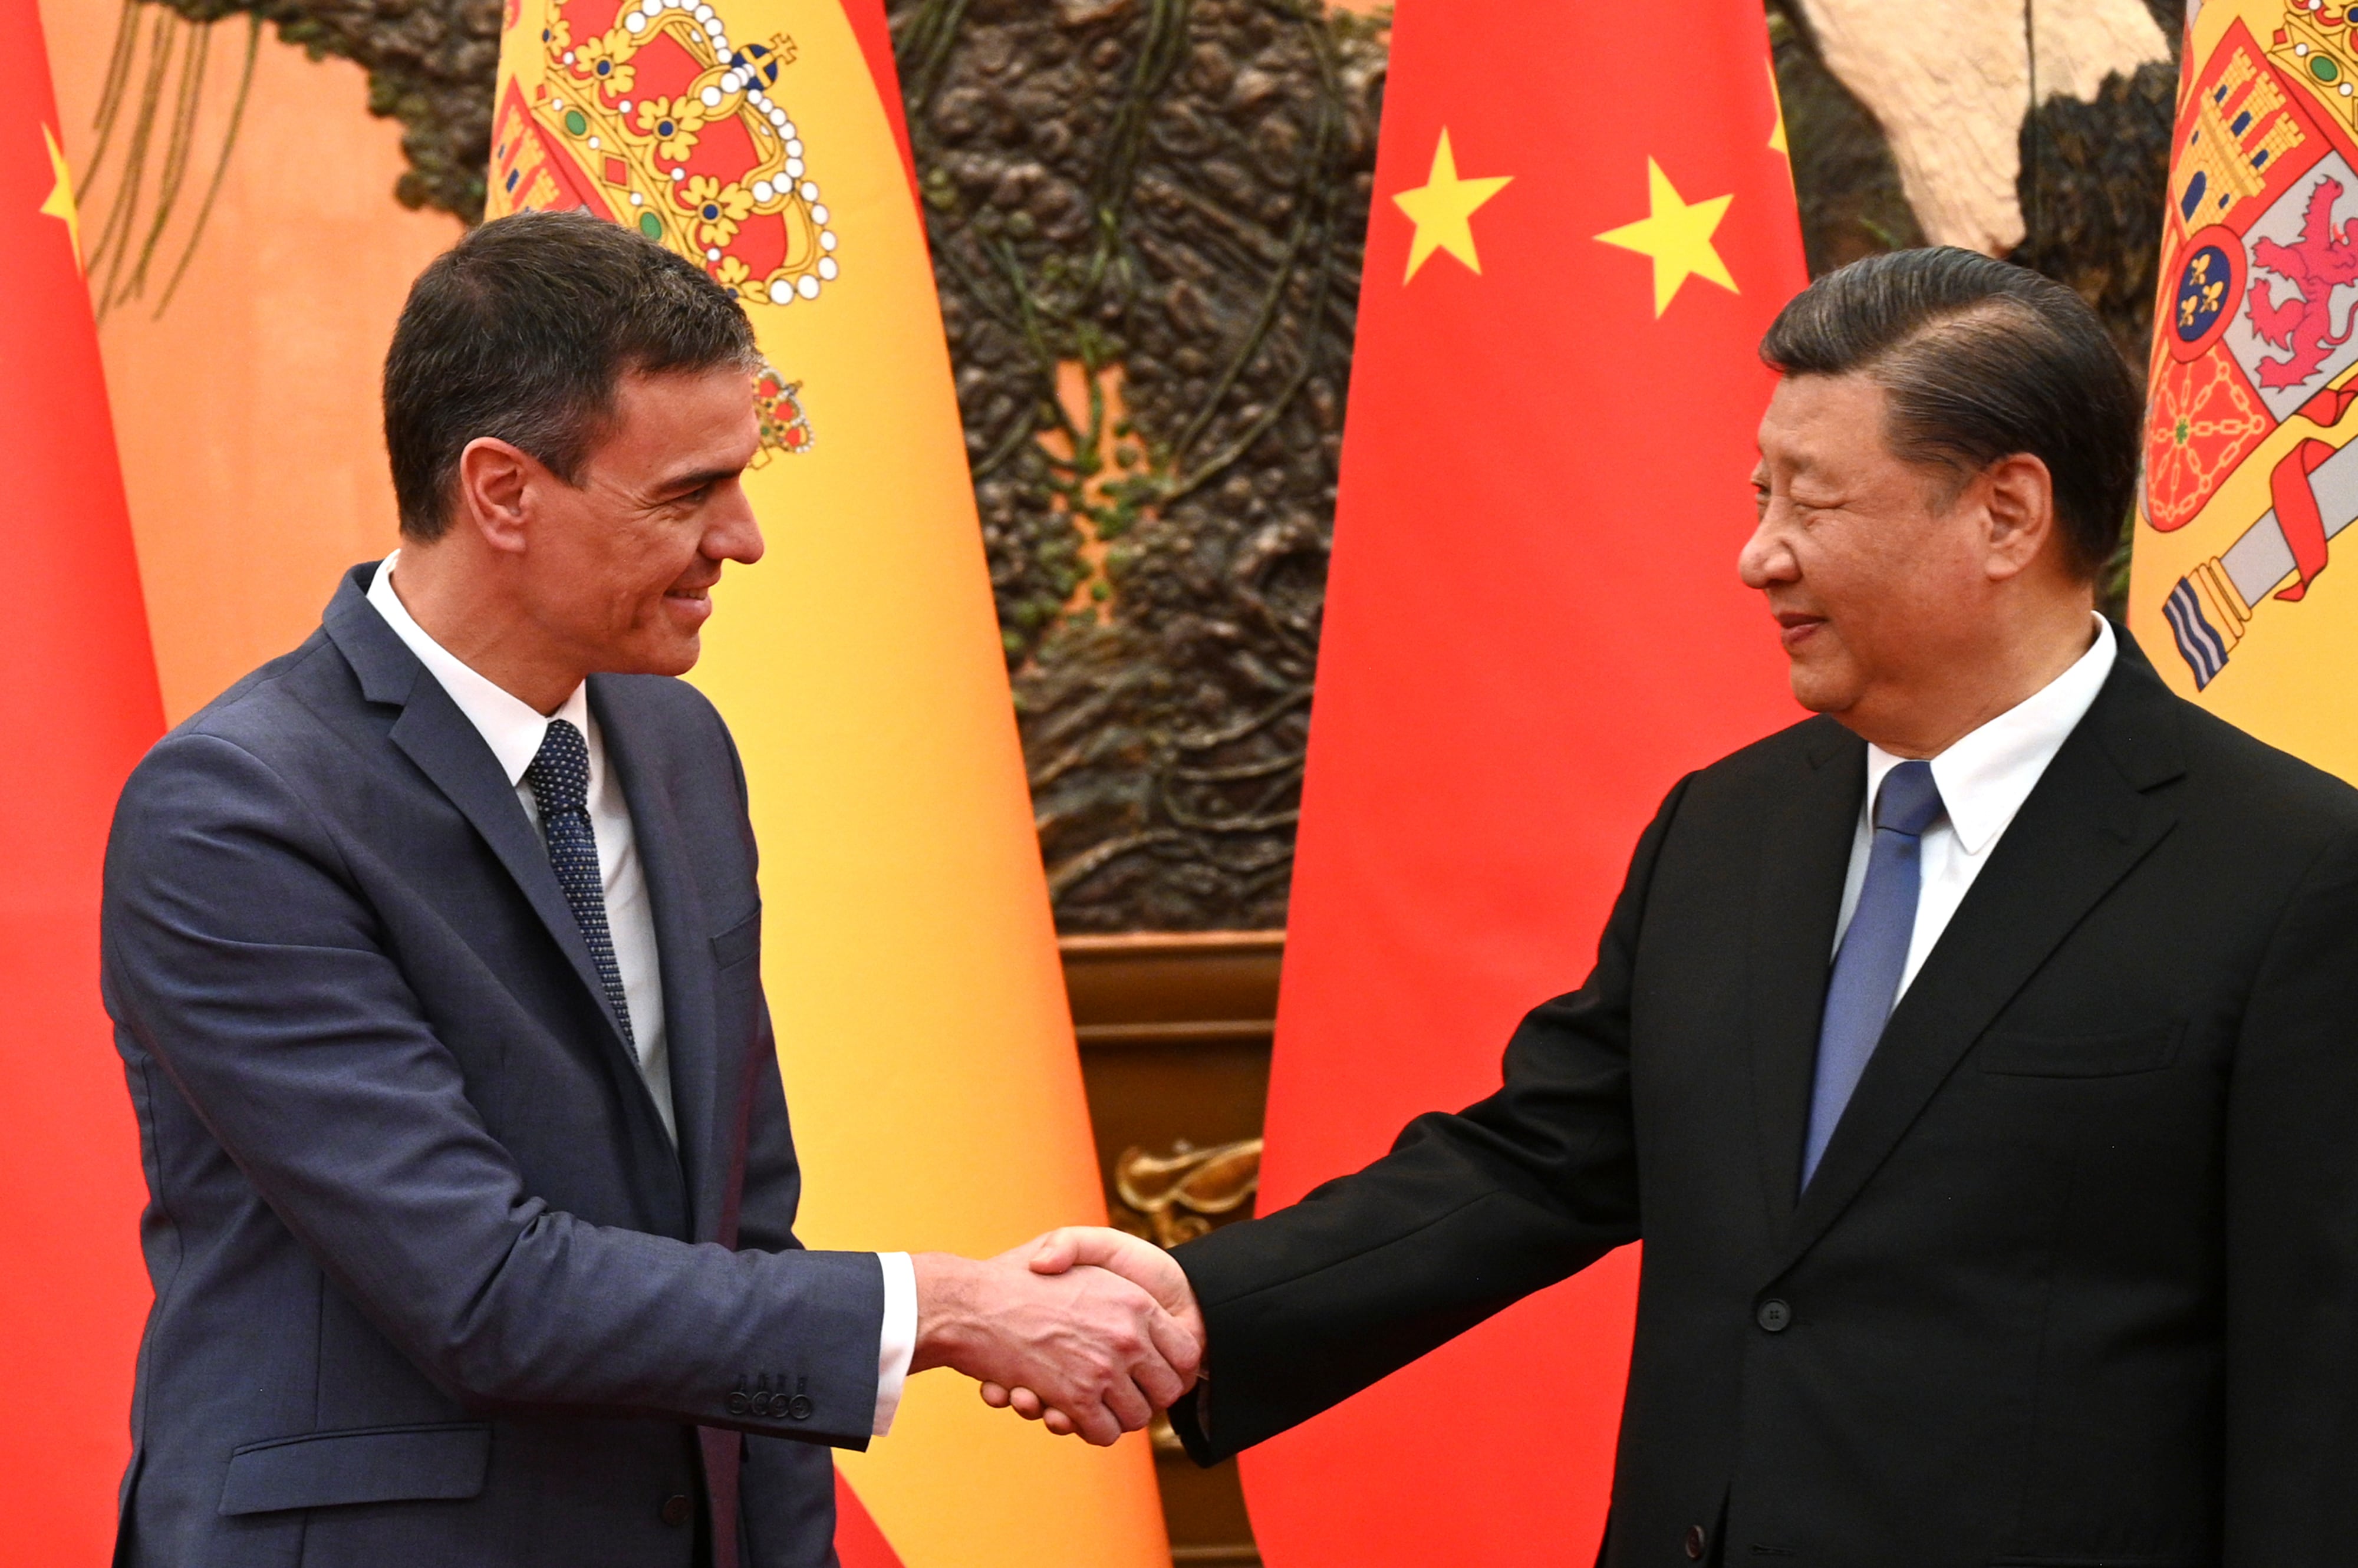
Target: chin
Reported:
[(672, 655), (1820, 691)]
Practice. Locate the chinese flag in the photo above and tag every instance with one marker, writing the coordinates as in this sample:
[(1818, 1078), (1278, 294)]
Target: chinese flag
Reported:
[(1583, 222), (78, 706)]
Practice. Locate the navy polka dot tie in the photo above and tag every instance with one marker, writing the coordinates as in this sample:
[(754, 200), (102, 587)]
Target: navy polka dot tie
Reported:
[(559, 777)]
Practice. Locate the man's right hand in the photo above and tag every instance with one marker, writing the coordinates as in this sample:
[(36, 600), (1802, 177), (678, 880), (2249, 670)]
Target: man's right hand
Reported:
[(1098, 1348), (1135, 1258)]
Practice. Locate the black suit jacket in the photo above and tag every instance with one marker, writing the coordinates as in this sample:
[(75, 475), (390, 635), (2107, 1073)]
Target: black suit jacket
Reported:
[(432, 1287), (2076, 1281)]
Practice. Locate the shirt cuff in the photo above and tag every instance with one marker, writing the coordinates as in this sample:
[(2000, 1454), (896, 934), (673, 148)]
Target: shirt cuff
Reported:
[(898, 1342)]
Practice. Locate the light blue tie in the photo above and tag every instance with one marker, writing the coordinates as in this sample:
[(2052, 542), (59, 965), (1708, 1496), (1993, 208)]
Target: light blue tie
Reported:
[(1874, 950)]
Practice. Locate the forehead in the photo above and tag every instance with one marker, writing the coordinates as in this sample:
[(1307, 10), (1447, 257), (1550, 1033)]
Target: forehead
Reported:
[(684, 399), (682, 414), (1818, 421)]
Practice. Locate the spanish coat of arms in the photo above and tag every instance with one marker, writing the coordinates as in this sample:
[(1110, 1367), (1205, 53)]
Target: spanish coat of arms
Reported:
[(2254, 327), (651, 114)]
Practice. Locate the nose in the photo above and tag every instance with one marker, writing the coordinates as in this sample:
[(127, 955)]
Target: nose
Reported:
[(1767, 559), (732, 533)]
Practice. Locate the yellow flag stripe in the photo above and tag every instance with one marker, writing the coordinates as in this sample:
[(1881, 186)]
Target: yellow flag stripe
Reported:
[(910, 958)]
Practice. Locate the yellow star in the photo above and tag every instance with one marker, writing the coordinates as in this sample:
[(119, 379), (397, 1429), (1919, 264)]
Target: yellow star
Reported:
[(1777, 131), (60, 204), (1677, 235), (1442, 206)]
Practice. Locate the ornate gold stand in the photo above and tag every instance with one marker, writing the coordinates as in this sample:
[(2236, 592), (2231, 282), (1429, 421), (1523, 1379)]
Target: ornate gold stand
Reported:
[(1175, 1032)]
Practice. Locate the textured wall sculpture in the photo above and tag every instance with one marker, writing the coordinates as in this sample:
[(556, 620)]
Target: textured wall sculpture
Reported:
[(1948, 85), (430, 65), (1146, 217)]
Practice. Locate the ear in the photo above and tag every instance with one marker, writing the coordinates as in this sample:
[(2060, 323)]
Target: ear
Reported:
[(2018, 501), (496, 481)]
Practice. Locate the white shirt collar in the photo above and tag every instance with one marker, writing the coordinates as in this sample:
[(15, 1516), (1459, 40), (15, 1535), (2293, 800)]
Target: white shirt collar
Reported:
[(1984, 777), (509, 725)]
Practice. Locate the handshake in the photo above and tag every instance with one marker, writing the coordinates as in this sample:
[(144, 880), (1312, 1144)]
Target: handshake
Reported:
[(1084, 1329)]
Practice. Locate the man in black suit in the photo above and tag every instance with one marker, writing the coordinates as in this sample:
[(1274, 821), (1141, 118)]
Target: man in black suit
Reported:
[(1978, 1060), (434, 950)]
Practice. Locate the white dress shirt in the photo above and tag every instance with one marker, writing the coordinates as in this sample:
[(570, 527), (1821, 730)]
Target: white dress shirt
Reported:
[(513, 729), (1983, 778)]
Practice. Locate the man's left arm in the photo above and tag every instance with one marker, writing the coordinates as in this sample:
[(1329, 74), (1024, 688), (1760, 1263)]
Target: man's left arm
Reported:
[(986, 1318), (786, 1489), (771, 1190), (2292, 1234), (765, 1217)]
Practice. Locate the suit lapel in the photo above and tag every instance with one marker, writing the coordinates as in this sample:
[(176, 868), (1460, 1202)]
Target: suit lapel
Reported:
[(2083, 827), (684, 945), (448, 750), (1804, 859)]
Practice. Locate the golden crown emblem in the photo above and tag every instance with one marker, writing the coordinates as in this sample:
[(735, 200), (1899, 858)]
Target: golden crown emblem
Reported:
[(2315, 47), (669, 125)]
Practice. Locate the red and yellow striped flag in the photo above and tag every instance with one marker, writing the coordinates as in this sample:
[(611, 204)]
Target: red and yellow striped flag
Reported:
[(78, 707), (912, 964)]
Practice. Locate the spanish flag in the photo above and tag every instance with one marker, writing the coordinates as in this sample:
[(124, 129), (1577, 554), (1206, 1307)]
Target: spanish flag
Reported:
[(2237, 588), (911, 962), (78, 708), (1583, 223)]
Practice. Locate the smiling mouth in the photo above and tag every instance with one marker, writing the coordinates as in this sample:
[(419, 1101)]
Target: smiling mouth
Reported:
[(693, 605)]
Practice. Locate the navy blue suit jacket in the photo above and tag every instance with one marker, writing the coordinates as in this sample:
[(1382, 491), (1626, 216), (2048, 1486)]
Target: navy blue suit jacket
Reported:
[(431, 1284)]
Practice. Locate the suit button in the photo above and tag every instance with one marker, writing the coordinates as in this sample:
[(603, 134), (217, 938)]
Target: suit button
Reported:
[(1696, 1542), (739, 1404), (799, 1407), (675, 1509), (1774, 1317)]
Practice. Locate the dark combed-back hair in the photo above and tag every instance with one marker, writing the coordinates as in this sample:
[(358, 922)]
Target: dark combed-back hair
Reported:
[(522, 331), (1980, 359)]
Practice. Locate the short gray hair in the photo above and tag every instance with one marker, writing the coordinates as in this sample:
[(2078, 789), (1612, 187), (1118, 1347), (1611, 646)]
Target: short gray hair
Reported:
[(1980, 359)]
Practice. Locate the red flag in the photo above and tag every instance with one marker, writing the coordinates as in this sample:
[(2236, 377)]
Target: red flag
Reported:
[(78, 707), (1583, 222), (857, 1542)]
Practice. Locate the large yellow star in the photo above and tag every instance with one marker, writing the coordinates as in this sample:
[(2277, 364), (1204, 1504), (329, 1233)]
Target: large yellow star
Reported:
[(1442, 206), (1677, 235), (60, 204)]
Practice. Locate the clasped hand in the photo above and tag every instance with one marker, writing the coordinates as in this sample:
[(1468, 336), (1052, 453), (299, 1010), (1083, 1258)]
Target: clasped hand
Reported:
[(1088, 1330)]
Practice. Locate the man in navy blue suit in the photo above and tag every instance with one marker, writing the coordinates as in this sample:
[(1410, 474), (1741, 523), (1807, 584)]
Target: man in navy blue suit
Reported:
[(432, 947)]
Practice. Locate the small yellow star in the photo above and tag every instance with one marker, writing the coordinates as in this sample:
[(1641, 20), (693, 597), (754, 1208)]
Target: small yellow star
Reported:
[(1677, 234), (1777, 131), (60, 204), (1442, 206)]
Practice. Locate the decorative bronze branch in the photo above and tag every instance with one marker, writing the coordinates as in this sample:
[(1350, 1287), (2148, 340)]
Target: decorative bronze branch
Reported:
[(1174, 1197)]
